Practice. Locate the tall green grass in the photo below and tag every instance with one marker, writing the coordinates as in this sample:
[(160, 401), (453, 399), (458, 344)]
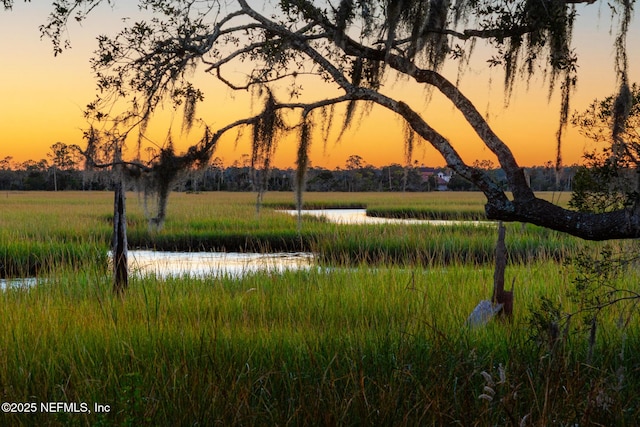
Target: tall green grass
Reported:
[(409, 212), (383, 346), (43, 230), (376, 335), (429, 245), (228, 221), (27, 258), (40, 232)]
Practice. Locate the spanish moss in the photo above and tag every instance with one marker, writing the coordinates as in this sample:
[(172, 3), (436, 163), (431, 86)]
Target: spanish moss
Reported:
[(343, 16), (623, 103), (621, 109), (265, 131), (302, 163), (409, 141), (156, 180)]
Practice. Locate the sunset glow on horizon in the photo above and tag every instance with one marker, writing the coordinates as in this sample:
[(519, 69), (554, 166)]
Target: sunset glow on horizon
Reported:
[(43, 99)]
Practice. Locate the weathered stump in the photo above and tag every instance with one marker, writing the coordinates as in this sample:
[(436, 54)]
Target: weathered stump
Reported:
[(500, 295), (119, 243)]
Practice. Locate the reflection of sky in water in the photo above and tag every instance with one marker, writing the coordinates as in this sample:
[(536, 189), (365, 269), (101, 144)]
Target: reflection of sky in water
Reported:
[(195, 264), (359, 216), (234, 264), (25, 282), (203, 264)]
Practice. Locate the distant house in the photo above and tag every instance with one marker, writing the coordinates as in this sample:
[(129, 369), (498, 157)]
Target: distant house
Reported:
[(441, 176), (445, 176), (442, 179), (426, 173)]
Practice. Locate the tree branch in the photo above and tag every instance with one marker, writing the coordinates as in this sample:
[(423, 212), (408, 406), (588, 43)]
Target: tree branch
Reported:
[(343, 50)]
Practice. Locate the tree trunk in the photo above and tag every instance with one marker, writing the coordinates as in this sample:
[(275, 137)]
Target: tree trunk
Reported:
[(119, 243), (500, 296)]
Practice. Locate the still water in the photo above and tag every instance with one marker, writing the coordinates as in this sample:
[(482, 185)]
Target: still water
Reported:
[(163, 264), (206, 264), (359, 216)]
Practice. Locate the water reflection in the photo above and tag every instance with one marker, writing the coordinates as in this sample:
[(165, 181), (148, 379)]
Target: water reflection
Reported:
[(206, 264), (19, 283), (161, 264), (359, 216)]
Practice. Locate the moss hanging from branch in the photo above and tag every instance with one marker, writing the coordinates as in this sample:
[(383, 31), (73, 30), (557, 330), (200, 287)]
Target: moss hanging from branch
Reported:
[(622, 62), (409, 144), (621, 110), (624, 100), (157, 180), (302, 163), (343, 16), (567, 87), (393, 12), (356, 80), (364, 73), (188, 96), (265, 131)]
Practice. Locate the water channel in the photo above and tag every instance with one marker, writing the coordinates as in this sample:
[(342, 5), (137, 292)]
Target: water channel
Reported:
[(359, 216), (206, 264), (233, 264), (162, 264)]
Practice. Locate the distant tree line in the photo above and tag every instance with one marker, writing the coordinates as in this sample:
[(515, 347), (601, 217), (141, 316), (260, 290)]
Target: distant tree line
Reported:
[(63, 171)]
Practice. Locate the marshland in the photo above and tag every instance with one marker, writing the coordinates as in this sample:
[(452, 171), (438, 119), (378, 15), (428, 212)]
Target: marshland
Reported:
[(373, 332), (230, 310)]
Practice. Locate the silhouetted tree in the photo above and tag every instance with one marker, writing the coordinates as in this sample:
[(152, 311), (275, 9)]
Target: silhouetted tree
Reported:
[(610, 179), (354, 45), (62, 158)]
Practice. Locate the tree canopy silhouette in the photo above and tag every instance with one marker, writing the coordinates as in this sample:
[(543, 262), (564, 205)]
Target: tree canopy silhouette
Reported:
[(358, 47)]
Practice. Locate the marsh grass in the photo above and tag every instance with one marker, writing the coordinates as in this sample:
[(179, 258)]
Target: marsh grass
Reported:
[(321, 204), (381, 346), (227, 221), (41, 230), (453, 214), (346, 343), (429, 245)]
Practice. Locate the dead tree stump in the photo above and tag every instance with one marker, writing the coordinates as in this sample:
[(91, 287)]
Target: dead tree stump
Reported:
[(500, 295), (119, 243)]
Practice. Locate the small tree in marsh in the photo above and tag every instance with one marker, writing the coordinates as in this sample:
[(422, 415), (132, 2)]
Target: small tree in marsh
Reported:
[(610, 178), (155, 176), (607, 182), (62, 157)]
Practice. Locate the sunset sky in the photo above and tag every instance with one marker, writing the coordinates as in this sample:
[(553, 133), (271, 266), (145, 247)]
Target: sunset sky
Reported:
[(42, 98)]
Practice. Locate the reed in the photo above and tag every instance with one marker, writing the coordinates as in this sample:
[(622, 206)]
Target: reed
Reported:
[(229, 222), (50, 235), (429, 245), (450, 213), (375, 335), (344, 346), (25, 258)]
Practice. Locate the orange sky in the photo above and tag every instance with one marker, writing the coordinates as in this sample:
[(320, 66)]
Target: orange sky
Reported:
[(42, 99)]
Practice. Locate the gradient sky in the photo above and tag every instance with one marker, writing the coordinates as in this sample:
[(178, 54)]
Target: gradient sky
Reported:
[(42, 98)]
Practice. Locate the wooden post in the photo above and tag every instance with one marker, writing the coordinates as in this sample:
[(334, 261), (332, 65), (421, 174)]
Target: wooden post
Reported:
[(119, 242), (500, 296)]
